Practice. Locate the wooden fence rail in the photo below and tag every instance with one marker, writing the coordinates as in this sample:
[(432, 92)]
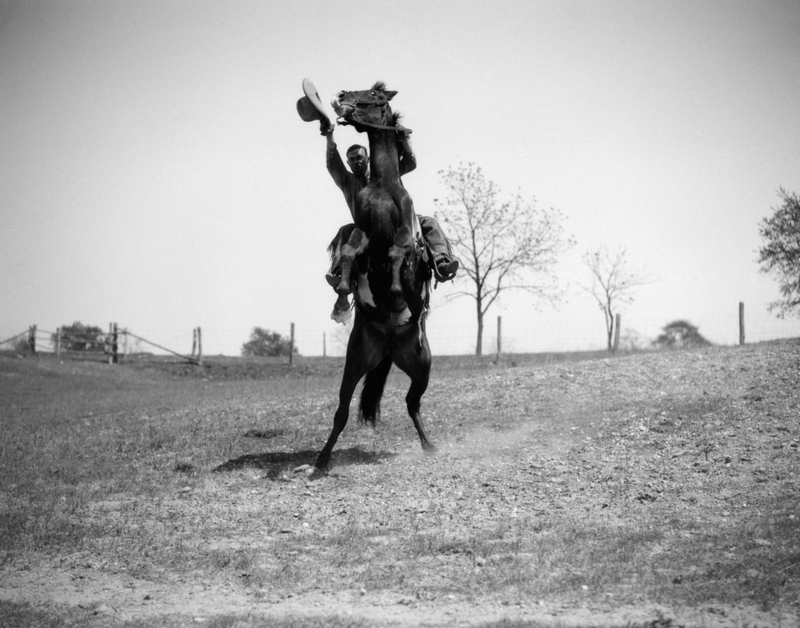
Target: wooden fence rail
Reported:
[(110, 342), (191, 358)]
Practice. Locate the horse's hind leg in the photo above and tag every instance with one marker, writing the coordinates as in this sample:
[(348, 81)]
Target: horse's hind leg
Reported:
[(413, 357), (346, 390), (363, 354), (413, 403)]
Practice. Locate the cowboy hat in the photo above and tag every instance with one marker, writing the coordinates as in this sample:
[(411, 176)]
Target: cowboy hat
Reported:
[(310, 106)]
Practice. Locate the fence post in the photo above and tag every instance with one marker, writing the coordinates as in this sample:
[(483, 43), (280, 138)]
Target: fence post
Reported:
[(617, 325), (58, 342), (324, 346), (32, 338), (194, 340), (115, 345), (199, 346), (741, 323), (291, 345), (111, 344)]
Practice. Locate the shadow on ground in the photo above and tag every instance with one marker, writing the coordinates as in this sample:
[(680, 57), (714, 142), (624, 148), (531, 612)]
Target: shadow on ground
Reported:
[(277, 463)]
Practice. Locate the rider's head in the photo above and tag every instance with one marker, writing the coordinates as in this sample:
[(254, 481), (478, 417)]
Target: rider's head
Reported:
[(358, 160)]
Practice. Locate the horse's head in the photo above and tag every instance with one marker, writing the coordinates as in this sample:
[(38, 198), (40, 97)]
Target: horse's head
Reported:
[(367, 108)]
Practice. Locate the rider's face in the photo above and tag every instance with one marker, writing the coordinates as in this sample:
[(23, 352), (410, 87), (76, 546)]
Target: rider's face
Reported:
[(357, 160)]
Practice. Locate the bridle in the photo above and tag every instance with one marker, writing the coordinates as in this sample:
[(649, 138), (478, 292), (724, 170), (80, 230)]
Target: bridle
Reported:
[(380, 127)]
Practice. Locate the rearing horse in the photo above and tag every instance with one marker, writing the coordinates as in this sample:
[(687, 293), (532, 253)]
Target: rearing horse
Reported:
[(383, 266)]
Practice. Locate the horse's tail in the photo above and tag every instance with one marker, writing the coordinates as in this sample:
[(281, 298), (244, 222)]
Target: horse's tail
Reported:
[(371, 393)]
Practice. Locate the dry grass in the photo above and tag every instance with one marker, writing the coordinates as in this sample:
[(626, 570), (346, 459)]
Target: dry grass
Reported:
[(665, 482)]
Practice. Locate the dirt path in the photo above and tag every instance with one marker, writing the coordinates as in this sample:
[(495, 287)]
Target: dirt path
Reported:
[(77, 590)]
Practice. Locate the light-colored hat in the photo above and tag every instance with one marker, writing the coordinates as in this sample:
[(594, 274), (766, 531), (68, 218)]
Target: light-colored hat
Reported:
[(310, 106)]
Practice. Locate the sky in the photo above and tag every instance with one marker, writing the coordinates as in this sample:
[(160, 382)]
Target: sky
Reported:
[(154, 171)]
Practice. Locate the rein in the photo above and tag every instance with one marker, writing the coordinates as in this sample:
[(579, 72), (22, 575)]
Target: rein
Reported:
[(379, 127)]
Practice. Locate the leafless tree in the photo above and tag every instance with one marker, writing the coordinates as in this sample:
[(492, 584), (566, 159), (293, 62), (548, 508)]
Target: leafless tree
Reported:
[(501, 244), (613, 282)]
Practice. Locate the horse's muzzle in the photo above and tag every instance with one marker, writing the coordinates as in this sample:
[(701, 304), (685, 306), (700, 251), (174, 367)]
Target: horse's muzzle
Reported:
[(342, 109)]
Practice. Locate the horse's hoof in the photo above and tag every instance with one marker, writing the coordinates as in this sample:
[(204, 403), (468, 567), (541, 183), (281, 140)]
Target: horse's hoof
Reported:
[(371, 422), (429, 449), (341, 316), (314, 473)]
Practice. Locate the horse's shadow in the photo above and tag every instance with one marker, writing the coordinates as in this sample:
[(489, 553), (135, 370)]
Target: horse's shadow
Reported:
[(280, 463)]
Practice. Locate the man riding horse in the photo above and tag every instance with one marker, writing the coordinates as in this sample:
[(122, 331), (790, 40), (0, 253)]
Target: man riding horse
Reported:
[(442, 261), (382, 266), (443, 264)]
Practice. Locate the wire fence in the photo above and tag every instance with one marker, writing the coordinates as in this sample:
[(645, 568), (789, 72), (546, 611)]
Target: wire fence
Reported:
[(517, 334), (542, 334)]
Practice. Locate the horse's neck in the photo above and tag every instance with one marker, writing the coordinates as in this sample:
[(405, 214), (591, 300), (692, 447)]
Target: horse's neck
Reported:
[(384, 161)]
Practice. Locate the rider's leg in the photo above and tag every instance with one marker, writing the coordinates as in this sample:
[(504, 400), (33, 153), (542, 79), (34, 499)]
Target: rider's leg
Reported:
[(445, 264), (334, 275)]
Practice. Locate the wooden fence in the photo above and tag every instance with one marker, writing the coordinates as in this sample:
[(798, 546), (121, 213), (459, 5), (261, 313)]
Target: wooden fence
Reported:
[(89, 344)]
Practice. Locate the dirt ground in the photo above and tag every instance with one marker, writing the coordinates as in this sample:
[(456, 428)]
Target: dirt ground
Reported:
[(94, 595), (86, 588)]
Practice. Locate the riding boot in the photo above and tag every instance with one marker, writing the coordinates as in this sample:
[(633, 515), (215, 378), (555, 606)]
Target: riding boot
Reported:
[(444, 268), (444, 263), (334, 277)]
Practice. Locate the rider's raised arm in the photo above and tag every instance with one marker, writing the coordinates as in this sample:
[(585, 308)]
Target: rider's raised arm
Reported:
[(407, 159), (334, 163), (341, 176)]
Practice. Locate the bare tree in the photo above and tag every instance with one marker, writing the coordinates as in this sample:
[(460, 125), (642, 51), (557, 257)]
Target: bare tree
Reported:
[(502, 245), (341, 336), (613, 282)]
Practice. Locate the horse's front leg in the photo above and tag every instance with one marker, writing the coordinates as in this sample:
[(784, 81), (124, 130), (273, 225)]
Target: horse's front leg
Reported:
[(398, 252), (408, 217), (355, 246)]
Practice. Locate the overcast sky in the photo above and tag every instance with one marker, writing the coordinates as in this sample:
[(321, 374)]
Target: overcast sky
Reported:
[(154, 171)]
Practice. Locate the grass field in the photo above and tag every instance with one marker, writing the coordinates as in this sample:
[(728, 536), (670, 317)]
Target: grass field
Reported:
[(658, 489)]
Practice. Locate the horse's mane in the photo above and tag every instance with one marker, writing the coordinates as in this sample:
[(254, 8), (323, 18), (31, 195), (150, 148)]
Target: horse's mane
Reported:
[(380, 86)]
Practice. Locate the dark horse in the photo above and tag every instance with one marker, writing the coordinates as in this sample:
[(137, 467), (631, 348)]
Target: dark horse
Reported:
[(383, 267)]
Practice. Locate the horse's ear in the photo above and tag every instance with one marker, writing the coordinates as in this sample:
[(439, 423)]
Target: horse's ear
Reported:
[(390, 93)]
